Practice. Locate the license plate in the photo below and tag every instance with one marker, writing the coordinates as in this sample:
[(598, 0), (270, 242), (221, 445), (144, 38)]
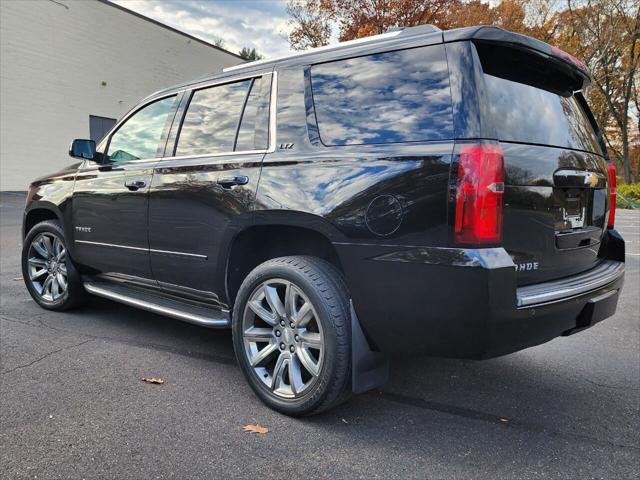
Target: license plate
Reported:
[(573, 213)]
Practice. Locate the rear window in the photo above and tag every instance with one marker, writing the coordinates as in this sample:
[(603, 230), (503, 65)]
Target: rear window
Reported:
[(400, 96), (526, 104)]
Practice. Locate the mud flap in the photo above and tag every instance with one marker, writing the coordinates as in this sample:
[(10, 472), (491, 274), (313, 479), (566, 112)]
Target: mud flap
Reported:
[(369, 369)]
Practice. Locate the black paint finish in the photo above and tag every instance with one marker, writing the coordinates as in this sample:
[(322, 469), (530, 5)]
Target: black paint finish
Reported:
[(382, 210)]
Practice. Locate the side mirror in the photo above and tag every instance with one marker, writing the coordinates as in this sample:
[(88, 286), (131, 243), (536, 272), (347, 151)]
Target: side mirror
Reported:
[(85, 149)]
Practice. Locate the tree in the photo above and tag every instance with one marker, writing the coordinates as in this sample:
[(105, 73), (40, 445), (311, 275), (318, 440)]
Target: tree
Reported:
[(250, 54), (605, 34), (312, 21), (219, 43)]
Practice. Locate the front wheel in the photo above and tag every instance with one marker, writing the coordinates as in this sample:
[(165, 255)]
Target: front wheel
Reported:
[(47, 270), (291, 334)]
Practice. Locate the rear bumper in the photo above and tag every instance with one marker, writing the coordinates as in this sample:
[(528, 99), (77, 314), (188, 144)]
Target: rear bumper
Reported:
[(607, 272), (465, 303)]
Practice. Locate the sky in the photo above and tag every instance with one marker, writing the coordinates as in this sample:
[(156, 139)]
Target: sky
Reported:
[(259, 24)]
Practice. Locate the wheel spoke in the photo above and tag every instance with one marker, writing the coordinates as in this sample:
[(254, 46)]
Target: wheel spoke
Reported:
[(46, 286), (55, 287), (37, 274), (63, 268), (271, 294), (262, 312), (304, 315), (295, 375), (263, 355), (46, 240), (290, 302), (34, 271), (278, 372), (62, 281), (40, 262), (255, 334), (41, 248), (308, 362), (62, 255), (311, 339)]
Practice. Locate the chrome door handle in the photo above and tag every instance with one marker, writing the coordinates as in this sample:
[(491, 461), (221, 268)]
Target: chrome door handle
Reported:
[(228, 182), (135, 184)]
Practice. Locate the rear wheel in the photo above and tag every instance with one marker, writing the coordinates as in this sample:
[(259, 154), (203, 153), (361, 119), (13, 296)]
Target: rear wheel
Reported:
[(47, 270), (291, 334)]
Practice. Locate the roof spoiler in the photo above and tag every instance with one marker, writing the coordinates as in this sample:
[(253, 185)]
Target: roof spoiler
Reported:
[(490, 34)]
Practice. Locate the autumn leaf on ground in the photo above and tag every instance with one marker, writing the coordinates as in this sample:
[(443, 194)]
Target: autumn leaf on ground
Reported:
[(257, 428), (157, 381)]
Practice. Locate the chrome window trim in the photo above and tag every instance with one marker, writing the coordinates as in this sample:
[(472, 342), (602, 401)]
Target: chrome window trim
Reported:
[(217, 154), (271, 147), (142, 249), (128, 115), (272, 113), (116, 167)]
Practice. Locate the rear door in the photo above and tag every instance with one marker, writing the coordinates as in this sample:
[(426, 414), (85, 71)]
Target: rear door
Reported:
[(555, 198), (203, 190)]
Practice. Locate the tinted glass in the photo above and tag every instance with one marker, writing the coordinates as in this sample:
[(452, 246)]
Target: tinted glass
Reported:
[(400, 96), (139, 136), (252, 134), (212, 118), (523, 113)]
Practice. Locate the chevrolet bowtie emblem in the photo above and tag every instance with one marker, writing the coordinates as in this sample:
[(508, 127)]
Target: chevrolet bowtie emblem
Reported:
[(591, 179)]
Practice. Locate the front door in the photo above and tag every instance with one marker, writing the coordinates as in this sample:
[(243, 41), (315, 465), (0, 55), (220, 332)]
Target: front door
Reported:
[(203, 190), (111, 197)]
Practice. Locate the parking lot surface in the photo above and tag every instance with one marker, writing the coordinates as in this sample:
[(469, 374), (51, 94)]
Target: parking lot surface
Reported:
[(72, 404)]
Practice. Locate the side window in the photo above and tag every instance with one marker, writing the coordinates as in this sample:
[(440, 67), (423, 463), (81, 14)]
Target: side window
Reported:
[(212, 118), (400, 96), (139, 137), (253, 130)]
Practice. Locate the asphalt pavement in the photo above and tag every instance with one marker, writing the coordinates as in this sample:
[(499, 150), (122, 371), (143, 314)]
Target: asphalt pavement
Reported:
[(72, 404)]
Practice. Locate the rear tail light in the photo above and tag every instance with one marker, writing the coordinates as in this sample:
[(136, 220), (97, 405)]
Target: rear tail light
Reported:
[(612, 194), (478, 201)]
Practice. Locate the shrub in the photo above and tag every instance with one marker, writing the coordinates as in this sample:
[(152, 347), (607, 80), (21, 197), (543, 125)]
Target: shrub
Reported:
[(628, 195)]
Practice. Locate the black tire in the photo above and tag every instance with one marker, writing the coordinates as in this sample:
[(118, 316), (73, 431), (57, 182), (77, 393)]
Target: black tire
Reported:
[(74, 292), (325, 288)]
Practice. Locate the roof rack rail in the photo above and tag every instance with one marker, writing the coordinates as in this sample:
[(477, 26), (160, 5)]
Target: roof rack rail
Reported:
[(420, 29), (417, 30)]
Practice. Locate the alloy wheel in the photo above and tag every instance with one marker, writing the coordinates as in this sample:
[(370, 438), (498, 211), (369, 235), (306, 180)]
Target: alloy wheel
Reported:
[(282, 337), (47, 263)]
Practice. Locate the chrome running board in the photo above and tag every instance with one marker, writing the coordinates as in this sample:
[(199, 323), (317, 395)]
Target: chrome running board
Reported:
[(160, 305)]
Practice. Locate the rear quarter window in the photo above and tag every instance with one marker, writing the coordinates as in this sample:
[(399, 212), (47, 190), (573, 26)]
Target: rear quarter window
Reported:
[(400, 96)]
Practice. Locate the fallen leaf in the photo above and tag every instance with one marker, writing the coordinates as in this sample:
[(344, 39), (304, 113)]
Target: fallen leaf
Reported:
[(257, 428), (504, 420), (17, 279), (157, 381)]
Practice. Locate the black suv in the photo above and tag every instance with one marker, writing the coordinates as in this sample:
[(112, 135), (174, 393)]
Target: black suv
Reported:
[(422, 191)]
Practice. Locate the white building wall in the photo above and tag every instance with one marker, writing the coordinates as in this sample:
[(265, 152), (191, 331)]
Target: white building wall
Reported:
[(64, 60)]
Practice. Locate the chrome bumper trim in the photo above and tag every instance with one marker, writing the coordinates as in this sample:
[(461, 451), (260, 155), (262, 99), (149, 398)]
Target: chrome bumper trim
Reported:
[(607, 272)]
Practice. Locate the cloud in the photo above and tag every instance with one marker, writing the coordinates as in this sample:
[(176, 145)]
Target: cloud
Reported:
[(259, 24)]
